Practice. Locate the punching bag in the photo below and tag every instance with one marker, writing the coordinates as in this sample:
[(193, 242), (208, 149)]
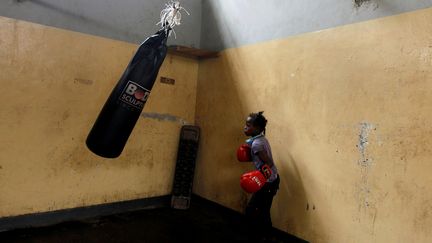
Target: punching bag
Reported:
[(121, 111)]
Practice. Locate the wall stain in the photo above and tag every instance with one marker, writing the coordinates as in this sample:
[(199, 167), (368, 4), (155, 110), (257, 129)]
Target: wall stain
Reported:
[(404, 192), (423, 217), (412, 141), (139, 156), (73, 158), (164, 117), (66, 115), (132, 158)]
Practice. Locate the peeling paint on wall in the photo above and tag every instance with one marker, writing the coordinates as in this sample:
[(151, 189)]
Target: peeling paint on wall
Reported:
[(366, 3), (164, 117), (363, 142), (366, 201), (358, 3), (83, 81)]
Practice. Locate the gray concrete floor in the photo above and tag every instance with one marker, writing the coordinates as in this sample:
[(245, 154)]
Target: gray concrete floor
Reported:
[(203, 222)]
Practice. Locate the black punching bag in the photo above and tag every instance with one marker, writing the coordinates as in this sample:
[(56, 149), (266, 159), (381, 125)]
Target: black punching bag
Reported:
[(121, 111)]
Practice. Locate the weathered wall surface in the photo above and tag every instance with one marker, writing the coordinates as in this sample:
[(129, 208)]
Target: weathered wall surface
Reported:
[(54, 84), (349, 123)]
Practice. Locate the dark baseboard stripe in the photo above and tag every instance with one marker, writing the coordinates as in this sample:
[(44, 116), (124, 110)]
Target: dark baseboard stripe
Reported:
[(81, 213)]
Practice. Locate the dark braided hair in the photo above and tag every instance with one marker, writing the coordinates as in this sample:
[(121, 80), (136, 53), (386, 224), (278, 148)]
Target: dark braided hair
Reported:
[(259, 120)]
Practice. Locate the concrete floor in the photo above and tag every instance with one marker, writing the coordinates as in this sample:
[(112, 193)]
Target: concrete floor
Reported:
[(203, 222)]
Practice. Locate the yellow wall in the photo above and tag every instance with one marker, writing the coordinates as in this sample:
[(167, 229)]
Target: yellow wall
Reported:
[(54, 83), (349, 113)]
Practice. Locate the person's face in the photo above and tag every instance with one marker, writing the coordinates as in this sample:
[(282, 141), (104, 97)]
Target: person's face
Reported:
[(249, 129)]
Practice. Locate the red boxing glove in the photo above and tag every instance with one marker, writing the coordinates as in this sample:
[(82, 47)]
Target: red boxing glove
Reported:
[(252, 181), (244, 153)]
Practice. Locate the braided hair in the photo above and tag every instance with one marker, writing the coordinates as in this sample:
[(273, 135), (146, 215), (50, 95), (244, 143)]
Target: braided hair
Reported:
[(259, 120)]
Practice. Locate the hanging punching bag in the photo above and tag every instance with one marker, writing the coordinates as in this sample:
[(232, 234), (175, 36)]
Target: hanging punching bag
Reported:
[(121, 111)]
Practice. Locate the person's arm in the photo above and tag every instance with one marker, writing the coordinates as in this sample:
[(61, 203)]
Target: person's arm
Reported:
[(258, 148), (268, 163)]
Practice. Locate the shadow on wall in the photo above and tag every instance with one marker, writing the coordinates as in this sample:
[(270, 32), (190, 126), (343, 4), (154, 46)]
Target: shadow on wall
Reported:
[(219, 113), (214, 35)]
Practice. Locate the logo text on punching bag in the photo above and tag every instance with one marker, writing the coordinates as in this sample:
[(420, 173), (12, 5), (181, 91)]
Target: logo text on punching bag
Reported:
[(134, 95)]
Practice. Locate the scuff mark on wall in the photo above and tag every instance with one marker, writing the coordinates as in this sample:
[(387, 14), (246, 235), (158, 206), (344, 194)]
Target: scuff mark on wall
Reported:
[(164, 117)]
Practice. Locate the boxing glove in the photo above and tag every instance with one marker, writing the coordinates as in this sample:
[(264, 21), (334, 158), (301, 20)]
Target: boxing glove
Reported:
[(252, 181), (244, 153)]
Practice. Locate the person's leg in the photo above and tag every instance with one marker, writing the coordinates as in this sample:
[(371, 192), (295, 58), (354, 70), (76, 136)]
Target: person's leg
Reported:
[(252, 214), (258, 209), (267, 201)]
